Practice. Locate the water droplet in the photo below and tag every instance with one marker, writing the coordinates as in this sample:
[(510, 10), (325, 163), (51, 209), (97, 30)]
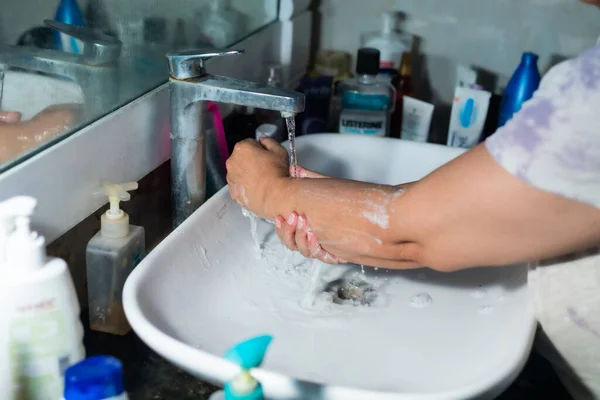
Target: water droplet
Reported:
[(422, 275), (486, 309), (421, 300), (362, 268), (376, 269), (479, 293)]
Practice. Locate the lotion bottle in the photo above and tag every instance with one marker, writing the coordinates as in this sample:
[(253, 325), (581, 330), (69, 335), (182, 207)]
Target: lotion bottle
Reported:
[(41, 334)]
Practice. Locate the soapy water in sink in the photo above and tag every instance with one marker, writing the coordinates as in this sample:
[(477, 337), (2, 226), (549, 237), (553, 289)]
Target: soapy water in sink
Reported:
[(353, 288), (253, 229)]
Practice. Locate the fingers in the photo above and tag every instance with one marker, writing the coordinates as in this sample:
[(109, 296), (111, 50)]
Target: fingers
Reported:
[(10, 117), (301, 236), (302, 172), (289, 231), (316, 251), (272, 145), (296, 235)]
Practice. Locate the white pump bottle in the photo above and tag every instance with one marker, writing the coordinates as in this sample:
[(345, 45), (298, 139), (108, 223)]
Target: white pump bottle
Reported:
[(40, 331)]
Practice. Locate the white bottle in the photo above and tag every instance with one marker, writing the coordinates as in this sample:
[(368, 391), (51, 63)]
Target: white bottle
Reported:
[(40, 331), (389, 42), (111, 255), (221, 25)]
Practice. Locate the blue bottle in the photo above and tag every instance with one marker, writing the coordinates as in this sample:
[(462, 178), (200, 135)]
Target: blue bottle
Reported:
[(95, 378), (68, 12), (524, 82)]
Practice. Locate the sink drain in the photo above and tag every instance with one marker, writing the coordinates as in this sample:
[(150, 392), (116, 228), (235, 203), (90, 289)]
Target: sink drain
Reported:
[(356, 292)]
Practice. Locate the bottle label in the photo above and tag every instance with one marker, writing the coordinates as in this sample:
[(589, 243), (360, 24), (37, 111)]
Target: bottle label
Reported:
[(411, 126), (390, 59), (363, 123), (38, 352), (366, 102)]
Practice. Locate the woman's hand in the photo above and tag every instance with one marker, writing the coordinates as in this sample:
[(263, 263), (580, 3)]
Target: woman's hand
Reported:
[(9, 117), (295, 233), (257, 173), (18, 137)]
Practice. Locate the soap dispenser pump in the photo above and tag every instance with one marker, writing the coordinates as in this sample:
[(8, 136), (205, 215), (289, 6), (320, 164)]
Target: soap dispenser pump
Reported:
[(111, 256), (247, 355), (39, 314)]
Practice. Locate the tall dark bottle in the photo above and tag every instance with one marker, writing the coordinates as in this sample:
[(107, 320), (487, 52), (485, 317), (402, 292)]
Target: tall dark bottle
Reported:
[(524, 82)]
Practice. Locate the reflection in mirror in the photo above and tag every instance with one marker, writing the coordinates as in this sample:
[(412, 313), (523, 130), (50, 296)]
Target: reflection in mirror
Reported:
[(93, 56)]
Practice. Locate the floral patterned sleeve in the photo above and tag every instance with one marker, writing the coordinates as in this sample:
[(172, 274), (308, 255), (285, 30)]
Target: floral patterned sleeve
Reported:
[(553, 143)]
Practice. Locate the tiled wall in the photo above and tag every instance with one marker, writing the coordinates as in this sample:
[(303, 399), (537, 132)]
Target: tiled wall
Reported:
[(489, 34)]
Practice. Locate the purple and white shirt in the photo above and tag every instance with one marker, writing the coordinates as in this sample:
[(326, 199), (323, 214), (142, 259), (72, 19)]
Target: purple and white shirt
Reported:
[(553, 143)]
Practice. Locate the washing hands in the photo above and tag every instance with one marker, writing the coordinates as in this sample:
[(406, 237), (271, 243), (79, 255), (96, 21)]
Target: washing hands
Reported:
[(265, 170)]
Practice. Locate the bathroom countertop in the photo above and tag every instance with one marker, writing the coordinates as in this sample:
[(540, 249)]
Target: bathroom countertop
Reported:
[(147, 375), (150, 377)]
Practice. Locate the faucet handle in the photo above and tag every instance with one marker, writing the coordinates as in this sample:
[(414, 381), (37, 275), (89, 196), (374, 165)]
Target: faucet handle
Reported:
[(190, 63), (99, 48)]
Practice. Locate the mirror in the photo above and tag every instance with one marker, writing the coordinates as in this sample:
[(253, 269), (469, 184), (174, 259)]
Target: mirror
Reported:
[(57, 77)]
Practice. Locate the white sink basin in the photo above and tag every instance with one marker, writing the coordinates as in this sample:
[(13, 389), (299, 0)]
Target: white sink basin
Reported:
[(30, 93), (206, 287)]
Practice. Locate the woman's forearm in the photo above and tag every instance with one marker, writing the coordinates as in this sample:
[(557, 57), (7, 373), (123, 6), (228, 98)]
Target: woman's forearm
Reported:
[(354, 220), (467, 213)]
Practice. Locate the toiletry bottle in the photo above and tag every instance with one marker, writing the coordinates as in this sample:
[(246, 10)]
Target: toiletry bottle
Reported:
[(404, 87), (366, 101), (390, 43), (221, 25), (179, 35), (271, 117), (95, 378), (42, 334), (111, 255), (524, 82), (248, 354), (468, 116), (324, 116), (68, 12), (96, 16)]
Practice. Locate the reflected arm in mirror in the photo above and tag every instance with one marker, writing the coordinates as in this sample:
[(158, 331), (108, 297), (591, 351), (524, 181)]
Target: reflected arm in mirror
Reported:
[(18, 137), (469, 212)]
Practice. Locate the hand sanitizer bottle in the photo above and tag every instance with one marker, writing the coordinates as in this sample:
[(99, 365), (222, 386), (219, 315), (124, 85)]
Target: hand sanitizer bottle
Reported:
[(111, 255), (40, 331)]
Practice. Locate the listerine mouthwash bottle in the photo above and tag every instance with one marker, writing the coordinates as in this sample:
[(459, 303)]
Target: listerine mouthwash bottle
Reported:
[(367, 102)]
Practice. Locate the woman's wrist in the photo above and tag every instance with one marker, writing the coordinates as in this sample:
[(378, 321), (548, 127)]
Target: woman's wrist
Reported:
[(279, 199)]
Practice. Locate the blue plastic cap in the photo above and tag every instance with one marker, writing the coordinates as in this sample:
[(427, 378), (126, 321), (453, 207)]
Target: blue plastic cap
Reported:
[(250, 353), (94, 378), (529, 58)]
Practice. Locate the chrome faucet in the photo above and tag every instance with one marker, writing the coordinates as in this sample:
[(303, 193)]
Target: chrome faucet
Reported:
[(95, 71), (191, 89)]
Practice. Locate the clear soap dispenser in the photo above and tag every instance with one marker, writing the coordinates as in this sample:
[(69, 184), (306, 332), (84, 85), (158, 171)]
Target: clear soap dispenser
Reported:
[(111, 255)]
